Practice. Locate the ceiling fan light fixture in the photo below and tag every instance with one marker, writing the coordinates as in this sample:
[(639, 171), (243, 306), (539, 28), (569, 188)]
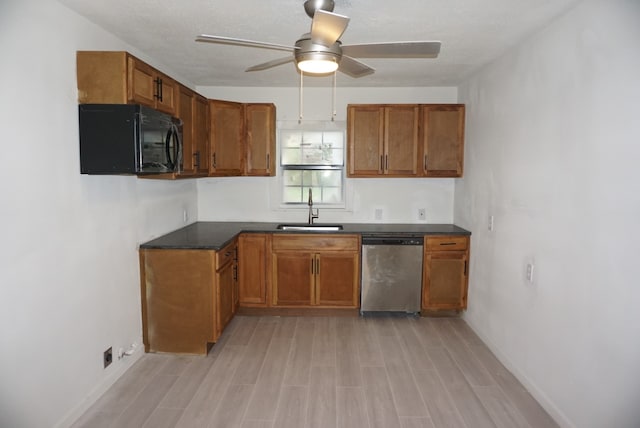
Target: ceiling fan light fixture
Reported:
[(318, 66)]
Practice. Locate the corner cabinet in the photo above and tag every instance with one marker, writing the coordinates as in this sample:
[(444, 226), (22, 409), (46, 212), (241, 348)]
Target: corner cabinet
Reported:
[(187, 298), (315, 270), (243, 139), (445, 273), (405, 140)]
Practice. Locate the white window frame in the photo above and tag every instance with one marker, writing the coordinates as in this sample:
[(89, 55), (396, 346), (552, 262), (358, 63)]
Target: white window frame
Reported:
[(311, 126)]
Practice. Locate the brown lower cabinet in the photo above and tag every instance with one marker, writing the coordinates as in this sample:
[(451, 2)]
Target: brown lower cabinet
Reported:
[(315, 270), (187, 297), (446, 273), (252, 269)]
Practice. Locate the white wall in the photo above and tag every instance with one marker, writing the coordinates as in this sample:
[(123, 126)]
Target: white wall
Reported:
[(258, 199), (552, 152), (69, 277)]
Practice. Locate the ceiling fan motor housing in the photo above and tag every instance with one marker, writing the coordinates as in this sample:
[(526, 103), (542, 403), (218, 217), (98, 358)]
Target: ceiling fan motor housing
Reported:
[(310, 51), (310, 6)]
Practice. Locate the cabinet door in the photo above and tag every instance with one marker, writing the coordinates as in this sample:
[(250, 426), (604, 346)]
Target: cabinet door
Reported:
[(365, 140), (201, 135), (178, 300), (226, 138), (225, 281), (336, 277), (142, 87), (186, 114), (293, 278), (260, 130), (401, 140), (443, 140), (445, 275), (167, 94), (252, 269)]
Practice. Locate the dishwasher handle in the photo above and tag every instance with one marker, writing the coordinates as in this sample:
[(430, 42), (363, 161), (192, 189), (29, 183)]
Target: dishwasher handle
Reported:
[(373, 240)]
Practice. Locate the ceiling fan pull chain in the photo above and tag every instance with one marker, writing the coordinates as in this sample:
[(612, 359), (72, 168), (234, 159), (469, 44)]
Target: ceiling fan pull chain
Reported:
[(300, 101), (333, 96)]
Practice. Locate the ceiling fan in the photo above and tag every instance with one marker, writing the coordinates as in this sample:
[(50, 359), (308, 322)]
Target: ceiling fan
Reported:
[(321, 52)]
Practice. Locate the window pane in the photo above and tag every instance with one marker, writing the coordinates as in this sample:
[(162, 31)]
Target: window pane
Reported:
[(292, 195), (326, 186), (312, 148), (291, 156)]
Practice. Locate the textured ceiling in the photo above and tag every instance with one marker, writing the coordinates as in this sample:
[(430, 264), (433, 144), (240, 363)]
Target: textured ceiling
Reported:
[(472, 33)]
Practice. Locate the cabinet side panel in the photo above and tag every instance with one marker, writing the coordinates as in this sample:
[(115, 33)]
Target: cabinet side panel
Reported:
[(178, 296), (101, 77)]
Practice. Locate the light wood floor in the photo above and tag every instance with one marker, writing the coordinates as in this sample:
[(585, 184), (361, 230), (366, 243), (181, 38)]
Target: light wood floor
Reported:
[(300, 372)]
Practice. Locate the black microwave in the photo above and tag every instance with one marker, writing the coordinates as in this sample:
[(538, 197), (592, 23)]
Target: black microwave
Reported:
[(128, 139)]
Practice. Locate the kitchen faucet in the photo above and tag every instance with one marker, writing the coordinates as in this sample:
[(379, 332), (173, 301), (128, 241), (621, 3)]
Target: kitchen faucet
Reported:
[(312, 216)]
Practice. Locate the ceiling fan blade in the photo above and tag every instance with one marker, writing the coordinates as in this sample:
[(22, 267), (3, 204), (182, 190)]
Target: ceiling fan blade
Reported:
[(393, 50), (242, 42), (269, 64), (354, 68), (327, 27)]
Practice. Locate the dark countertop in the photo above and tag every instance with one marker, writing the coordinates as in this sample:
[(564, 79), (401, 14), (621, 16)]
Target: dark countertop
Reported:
[(213, 235)]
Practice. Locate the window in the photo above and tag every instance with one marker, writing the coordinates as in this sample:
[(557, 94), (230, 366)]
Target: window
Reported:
[(312, 160)]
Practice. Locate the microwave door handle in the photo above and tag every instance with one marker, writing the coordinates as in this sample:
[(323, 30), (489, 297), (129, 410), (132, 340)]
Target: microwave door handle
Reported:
[(167, 143), (177, 148)]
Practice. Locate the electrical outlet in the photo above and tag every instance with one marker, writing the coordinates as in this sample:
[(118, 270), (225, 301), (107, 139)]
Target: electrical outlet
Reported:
[(107, 357), (378, 213), (529, 273), (422, 214)]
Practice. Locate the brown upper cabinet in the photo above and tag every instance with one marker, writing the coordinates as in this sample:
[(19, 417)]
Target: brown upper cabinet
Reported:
[(120, 78), (442, 140), (242, 139), (382, 140), (405, 140), (227, 129), (193, 110)]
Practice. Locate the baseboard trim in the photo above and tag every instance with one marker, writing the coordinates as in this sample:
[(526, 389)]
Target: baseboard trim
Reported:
[(76, 412), (543, 399)]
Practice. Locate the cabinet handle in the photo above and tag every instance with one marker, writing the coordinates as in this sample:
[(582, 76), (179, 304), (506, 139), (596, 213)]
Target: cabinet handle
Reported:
[(447, 243), (312, 266), (214, 160), (158, 94), (317, 266), (268, 162), (425, 162), (386, 162), (381, 162), (465, 268), (196, 160)]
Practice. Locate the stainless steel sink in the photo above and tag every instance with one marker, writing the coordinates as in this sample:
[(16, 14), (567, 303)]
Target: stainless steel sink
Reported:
[(310, 227)]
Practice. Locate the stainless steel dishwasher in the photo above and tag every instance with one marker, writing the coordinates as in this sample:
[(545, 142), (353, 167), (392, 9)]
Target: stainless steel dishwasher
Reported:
[(391, 274)]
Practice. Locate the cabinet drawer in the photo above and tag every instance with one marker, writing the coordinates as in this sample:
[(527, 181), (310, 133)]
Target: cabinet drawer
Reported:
[(446, 243), (316, 242), (225, 255)]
